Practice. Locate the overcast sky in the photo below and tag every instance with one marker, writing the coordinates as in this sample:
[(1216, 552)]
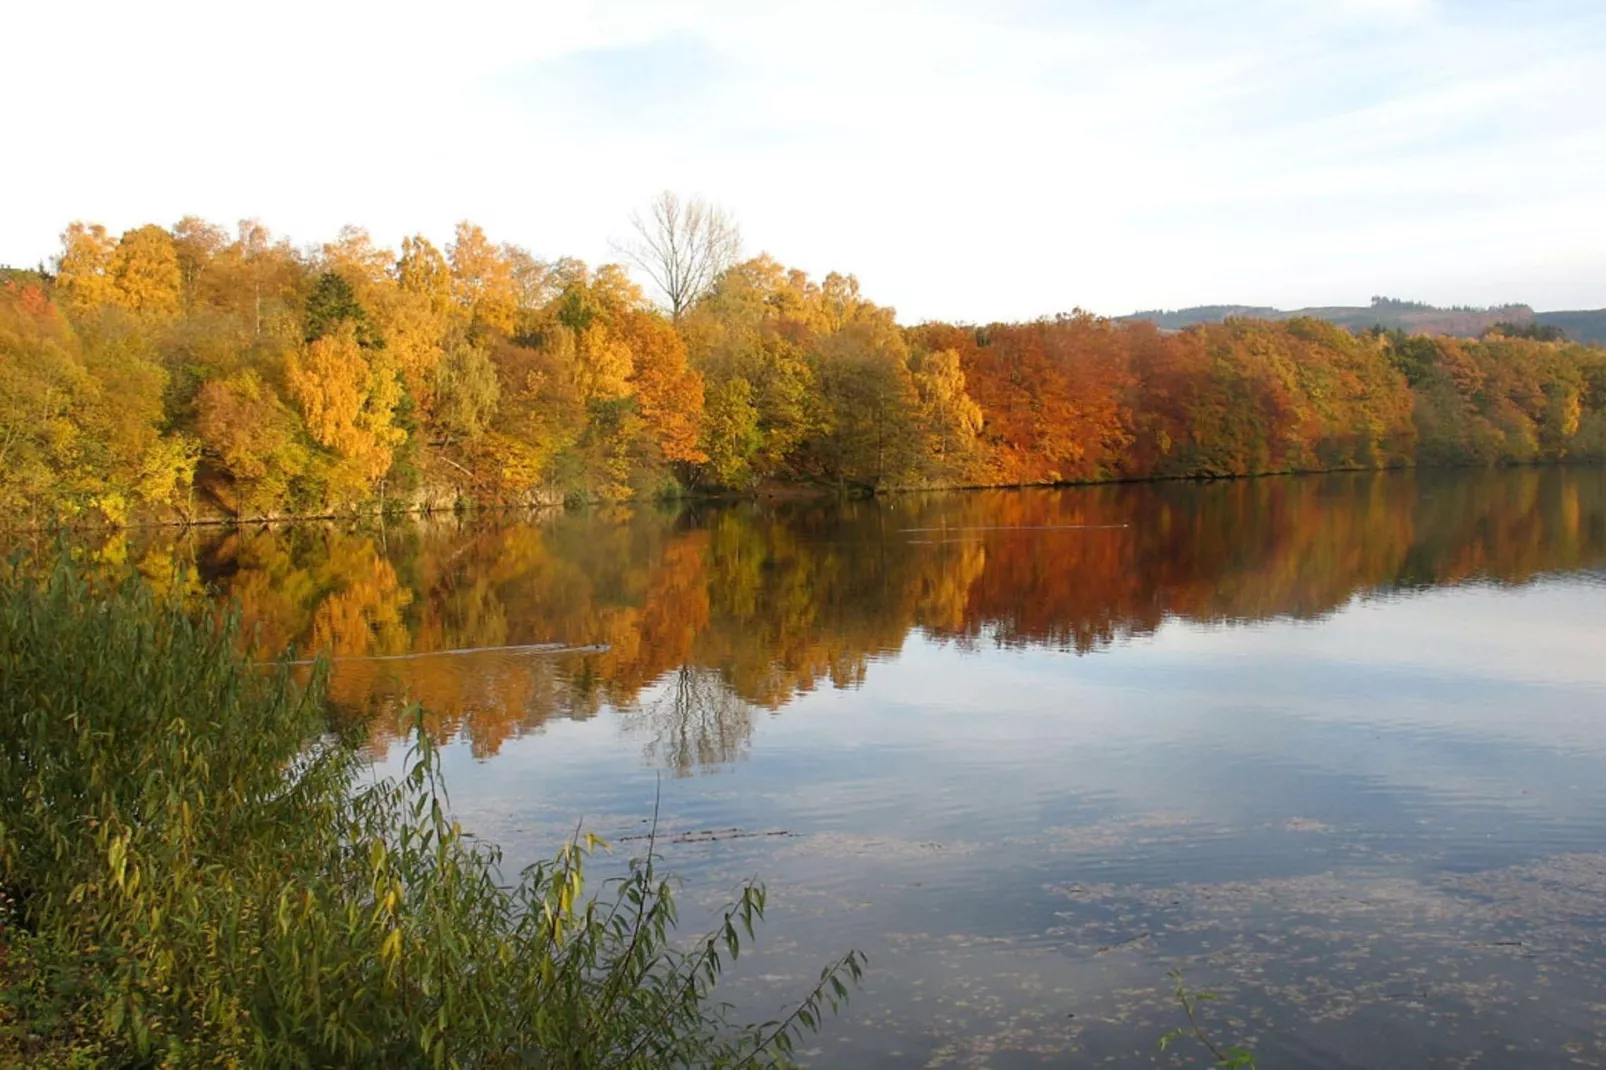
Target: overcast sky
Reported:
[(967, 160)]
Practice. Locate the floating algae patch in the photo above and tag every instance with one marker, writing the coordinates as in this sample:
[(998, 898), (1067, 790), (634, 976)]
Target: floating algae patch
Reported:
[(1351, 968), (1330, 960), (1127, 833), (1034, 951)]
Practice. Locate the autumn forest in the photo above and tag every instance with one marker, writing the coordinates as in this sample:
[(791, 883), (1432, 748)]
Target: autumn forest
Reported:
[(188, 372)]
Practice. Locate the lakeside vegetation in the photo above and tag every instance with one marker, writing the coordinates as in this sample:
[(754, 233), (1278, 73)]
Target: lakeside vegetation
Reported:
[(186, 372), (194, 871)]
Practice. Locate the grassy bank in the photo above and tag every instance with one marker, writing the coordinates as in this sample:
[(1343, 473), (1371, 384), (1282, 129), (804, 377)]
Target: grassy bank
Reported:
[(196, 871)]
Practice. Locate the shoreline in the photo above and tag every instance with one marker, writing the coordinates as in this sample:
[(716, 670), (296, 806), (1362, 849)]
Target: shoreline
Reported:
[(778, 493)]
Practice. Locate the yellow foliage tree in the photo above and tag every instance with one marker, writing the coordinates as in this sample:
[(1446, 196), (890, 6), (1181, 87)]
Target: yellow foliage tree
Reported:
[(422, 270), (145, 270), (482, 279), (244, 424), (347, 397), (84, 268), (415, 316), (197, 244), (602, 364), (367, 267), (948, 417)]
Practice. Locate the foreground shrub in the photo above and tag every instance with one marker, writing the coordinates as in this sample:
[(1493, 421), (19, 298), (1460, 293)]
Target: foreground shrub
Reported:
[(196, 872)]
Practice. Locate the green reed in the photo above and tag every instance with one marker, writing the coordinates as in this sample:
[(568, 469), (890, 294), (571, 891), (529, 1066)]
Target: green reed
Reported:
[(195, 871), (1231, 1056)]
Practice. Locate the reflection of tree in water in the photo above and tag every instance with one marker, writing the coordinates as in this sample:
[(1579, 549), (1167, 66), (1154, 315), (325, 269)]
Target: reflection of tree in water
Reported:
[(709, 611), (486, 697), (694, 721)]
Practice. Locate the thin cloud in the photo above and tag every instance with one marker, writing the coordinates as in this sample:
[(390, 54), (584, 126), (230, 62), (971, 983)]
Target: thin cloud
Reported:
[(966, 161)]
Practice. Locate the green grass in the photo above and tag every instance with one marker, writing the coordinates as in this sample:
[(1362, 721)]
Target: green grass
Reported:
[(195, 871)]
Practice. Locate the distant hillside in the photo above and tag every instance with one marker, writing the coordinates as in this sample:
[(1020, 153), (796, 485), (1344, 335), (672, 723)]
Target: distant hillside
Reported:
[(1581, 326), (1413, 317), (1188, 317), (21, 276)]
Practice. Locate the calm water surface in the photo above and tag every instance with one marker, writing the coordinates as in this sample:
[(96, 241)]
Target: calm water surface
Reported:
[(1334, 746)]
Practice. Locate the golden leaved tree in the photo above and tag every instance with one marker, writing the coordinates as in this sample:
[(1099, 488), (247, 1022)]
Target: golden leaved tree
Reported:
[(84, 268), (948, 417), (418, 315), (146, 275), (482, 279), (347, 396), (242, 420)]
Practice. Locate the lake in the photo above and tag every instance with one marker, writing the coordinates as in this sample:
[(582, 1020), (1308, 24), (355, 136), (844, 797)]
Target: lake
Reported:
[(1334, 746)]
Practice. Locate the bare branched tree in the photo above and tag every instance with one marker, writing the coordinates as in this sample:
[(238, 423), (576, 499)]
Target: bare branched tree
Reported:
[(683, 246)]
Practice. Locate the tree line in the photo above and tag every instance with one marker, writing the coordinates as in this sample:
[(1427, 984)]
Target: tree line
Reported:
[(186, 372)]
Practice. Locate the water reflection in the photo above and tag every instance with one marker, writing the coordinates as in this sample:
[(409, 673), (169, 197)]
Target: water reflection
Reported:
[(708, 612), (1338, 753)]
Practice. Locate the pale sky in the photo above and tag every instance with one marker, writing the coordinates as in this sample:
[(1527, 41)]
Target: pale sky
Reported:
[(967, 160)]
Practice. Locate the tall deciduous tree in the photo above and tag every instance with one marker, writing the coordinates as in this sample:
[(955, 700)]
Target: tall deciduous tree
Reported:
[(483, 280), (731, 434), (252, 435), (145, 271), (422, 270), (949, 418), (465, 390), (197, 244), (84, 268), (347, 398), (668, 393), (871, 403), (683, 246)]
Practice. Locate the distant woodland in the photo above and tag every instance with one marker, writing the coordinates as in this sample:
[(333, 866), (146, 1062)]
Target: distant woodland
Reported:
[(1412, 317), (192, 372)]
